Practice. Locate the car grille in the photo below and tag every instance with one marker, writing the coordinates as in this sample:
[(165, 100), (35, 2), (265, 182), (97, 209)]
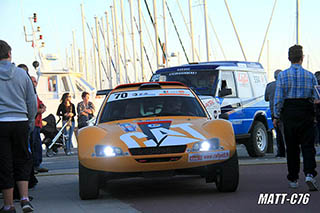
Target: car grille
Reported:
[(158, 150), (158, 160)]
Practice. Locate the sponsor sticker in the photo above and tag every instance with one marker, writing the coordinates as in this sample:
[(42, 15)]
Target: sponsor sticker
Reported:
[(207, 156), (148, 93), (128, 127)]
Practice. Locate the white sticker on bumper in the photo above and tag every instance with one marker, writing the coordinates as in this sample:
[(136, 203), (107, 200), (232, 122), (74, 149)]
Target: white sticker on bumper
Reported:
[(207, 156)]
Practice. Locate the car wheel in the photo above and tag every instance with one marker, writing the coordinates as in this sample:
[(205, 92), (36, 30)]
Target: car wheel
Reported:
[(88, 183), (258, 144), (227, 179)]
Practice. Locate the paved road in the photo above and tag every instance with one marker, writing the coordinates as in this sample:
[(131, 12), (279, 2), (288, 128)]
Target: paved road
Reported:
[(59, 193), (57, 190), (63, 162)]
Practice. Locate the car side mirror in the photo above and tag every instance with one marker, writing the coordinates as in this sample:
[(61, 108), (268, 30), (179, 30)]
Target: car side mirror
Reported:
[(225, 91)]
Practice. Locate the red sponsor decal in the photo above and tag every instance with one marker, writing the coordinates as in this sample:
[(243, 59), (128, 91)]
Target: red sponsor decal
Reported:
[(196, 158), (209, 103), (243, 78)]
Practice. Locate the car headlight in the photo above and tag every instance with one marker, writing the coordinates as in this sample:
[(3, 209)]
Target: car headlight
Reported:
[(107, 151), (207, 145)]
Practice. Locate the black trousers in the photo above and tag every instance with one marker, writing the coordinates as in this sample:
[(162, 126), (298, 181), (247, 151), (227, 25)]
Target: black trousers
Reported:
[(15, 158), (280, 142), (298, 120)]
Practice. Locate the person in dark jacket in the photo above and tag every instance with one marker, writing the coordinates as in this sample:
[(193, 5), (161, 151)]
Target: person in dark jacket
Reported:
[(317, 109), (269, 96), (67, 111)]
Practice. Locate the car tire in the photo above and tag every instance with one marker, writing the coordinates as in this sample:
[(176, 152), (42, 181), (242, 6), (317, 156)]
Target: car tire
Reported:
[(227, 179), (257, 145), (88, 183)]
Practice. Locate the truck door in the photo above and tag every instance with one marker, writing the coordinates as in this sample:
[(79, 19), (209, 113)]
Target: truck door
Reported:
[(247, 100), (230, 103)]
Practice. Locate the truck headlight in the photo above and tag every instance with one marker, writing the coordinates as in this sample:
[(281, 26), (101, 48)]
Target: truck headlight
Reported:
[(107, 151), (207, 145)]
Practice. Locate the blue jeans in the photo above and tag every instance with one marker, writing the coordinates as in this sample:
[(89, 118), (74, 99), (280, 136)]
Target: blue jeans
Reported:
[(69, 133), (37, 147)]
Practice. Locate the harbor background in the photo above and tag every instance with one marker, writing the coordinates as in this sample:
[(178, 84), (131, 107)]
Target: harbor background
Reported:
[(61, 27)]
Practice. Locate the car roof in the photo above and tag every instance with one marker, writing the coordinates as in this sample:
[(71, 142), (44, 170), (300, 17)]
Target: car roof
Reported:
[(150, 86)]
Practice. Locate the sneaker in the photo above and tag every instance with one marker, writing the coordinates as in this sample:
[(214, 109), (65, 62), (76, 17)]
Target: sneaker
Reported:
[(11, 210), (41, 169), (293, 184), (312, 183), (18, 200), (26, 206)]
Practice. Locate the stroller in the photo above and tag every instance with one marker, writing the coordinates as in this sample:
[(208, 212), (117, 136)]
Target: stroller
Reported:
[(53, 138)]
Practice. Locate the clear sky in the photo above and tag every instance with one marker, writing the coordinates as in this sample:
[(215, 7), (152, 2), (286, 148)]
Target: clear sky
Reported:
[(58, 18)]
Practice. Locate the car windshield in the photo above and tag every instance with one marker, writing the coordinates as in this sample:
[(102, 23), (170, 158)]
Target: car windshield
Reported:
[(202, 81), (155, 104)]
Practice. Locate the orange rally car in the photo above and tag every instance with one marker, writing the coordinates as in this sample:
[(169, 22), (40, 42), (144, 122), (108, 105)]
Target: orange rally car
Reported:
[(152, 129)]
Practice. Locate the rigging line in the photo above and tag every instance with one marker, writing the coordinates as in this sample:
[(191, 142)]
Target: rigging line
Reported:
[(115, 70), (163, 52), (128, 52), (104, 68), (235, 30), (185, 23), (175, 27), (184, 19), (265, 36), (123, 64), (215, 33), (148, 33), (148, 60), (145, 51), (111, 57)]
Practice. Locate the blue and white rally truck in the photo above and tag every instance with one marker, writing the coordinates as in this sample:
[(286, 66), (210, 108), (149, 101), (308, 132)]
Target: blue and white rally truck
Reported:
[(232, 90)]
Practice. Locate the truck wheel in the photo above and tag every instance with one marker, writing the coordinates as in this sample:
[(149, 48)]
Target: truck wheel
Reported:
[(257, 145), (88, 183), (227, 179)]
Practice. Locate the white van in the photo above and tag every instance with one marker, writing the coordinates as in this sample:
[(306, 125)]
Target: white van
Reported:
[(232, 90)]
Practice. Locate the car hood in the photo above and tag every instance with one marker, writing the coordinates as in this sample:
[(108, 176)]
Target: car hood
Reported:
[(165, 131)]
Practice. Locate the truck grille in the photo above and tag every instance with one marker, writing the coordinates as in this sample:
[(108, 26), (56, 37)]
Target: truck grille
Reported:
[(158, 150)]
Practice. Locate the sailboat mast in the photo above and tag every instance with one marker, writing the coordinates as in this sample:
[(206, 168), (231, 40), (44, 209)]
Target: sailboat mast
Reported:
[(109, 51), (141, 40), (114, 45), (74, 55), (120, 77), (206, 27), (99, 53), (156, 31), (84, 43), (93, 76), (298, 22), (133, 43), (124, 42), (191, 30), (165, 32)]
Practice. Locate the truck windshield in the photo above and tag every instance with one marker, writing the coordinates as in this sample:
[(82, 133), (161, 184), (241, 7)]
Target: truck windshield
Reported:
[(203, 82)]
